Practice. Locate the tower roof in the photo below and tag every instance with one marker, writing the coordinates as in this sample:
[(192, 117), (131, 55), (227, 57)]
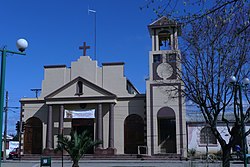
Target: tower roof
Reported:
[(165, 22)]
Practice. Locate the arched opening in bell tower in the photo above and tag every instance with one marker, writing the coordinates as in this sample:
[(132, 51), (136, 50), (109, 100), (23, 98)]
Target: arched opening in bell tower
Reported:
[(166, 130), (164, 40)]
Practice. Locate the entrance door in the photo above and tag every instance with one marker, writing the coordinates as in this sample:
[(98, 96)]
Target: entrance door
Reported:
[(167, 135), (33, 136), (133, 134), (81, 125), (166, 130)]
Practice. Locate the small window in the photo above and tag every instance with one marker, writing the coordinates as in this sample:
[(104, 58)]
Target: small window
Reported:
[(207, 137), (157, 58), (171, 58), (131, 89), (79, 88)]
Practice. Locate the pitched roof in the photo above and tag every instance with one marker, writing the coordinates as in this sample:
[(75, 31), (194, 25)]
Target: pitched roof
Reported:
[(197, 116), (163, 22)]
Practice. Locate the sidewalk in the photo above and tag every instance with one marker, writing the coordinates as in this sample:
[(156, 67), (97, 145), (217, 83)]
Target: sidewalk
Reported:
[(115, 163), (120, 163)]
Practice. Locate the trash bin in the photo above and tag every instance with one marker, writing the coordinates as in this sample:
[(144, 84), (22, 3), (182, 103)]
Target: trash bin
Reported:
[(46, 161)]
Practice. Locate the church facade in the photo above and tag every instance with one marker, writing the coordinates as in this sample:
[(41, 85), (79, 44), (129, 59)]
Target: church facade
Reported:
[(104, 102)]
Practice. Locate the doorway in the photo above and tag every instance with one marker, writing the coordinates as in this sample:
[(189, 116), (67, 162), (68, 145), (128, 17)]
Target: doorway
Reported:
[(33, 136), (166, 130), (80, 125), (133, 134)]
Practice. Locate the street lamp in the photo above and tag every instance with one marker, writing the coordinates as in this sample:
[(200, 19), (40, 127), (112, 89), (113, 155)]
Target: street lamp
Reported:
[(21, 44), (238, 91)]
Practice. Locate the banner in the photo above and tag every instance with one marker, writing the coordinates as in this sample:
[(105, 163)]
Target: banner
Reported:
[(79, 113)]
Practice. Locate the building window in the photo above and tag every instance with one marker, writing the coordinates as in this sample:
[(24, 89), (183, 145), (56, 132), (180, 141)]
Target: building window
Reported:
[(171, 57), (157, 58), (79, 88), (207, 137), (130, 88)]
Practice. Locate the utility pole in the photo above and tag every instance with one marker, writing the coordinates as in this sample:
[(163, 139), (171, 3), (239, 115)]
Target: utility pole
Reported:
[(5, 124)]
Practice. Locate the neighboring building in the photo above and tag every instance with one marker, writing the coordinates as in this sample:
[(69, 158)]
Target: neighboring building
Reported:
[(104, 102), (10, 145), (200, 137)]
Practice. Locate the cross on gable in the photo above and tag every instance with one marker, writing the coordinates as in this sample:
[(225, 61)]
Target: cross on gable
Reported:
[(84, 47)]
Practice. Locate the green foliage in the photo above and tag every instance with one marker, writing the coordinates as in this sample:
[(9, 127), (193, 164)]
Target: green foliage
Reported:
[(77, 145), (191, 152), (219, 154), (15, 137), (214, 46)]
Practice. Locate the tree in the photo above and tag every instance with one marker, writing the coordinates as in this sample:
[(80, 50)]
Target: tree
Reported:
[(15, 137), (212, 51), (187, 11), (76, 146), (215, 46)]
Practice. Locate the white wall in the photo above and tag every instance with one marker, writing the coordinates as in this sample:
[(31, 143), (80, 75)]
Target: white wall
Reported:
[(194, 139)]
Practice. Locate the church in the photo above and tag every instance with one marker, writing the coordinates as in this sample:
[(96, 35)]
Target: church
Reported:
[(103, 101)]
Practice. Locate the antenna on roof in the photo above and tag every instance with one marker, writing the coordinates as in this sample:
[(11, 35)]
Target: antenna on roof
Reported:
[(94, 12), (36, 91)]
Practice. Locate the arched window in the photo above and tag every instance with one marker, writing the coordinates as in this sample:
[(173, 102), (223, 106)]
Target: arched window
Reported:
[(79, 88), (207, 137)]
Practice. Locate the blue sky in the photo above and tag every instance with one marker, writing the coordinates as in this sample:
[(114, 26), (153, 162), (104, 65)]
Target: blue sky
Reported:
[(55, 30)]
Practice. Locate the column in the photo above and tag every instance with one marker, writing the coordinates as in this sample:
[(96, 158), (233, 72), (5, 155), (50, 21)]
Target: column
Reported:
[(99, 125), (175, 38), (49, 129), (111, 125), (61, 114)]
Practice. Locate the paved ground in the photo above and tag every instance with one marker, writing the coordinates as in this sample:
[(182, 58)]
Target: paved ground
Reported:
[(119, 163)]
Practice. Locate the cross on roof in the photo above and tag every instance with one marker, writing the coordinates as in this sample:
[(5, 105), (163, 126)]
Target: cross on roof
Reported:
[(84, 47)]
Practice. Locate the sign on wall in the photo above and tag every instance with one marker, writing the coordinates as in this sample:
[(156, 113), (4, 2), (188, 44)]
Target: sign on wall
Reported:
[(79, 113)]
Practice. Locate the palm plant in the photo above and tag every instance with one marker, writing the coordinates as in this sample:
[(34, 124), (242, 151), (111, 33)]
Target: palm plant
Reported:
[(77, 145)]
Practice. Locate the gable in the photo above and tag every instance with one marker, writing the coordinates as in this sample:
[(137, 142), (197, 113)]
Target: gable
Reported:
[(163, 21), (71, 90)]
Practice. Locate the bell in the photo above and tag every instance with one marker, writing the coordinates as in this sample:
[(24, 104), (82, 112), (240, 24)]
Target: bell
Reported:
[(161, 43), (165, 43)]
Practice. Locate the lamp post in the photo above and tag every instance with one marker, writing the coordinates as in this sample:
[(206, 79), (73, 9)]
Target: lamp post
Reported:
[(21, 44), (238, 91)]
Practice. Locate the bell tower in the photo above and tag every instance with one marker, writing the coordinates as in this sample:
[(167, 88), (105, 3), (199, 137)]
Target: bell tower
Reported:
[(166, 124)]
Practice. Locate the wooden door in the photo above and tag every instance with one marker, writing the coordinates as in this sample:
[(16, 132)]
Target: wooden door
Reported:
[(33, 136)]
